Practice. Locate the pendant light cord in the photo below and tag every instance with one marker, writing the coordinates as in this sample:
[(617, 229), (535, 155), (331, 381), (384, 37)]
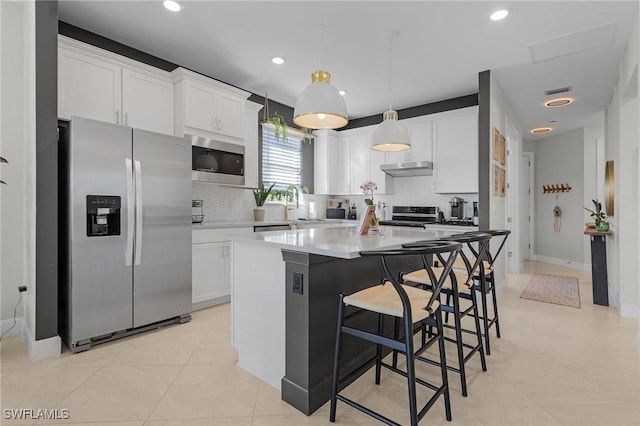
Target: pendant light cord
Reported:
[(321, 35), (392, 35)]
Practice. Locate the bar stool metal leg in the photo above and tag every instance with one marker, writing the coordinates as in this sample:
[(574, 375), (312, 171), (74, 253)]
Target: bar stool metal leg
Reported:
[(336, 360)]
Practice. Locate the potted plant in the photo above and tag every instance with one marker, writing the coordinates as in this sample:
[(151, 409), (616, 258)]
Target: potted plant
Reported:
[(598, 216), (261, 194), (278, 122)]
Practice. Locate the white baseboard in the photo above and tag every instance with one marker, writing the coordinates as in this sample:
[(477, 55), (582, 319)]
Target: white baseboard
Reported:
[(628, 311), (41, 349), (7, 323), (562, 262)]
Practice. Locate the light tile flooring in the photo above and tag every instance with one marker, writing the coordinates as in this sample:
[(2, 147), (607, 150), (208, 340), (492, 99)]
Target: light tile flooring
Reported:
[(554, 365)]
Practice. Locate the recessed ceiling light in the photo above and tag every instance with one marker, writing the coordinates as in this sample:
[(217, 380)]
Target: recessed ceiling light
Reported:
[(558, 102), (172, 5), (278, 60), (499, 15), (541, 130), (342, 92)]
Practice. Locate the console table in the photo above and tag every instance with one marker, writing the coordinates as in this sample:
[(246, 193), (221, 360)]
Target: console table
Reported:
[(599, 280)]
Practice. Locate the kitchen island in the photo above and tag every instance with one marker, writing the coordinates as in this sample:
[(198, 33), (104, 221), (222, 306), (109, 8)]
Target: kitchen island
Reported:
[(285, 287)]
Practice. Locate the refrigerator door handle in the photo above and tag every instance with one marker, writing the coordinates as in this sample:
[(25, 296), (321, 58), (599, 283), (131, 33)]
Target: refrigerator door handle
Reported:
[(128, 255), (138, 172)]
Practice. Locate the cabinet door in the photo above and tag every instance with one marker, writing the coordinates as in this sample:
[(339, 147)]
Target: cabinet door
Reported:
[(421, 142), (200, 106), (455, 154), (88, 87), (147, 102), (343, 163), (360, 173), (210, 271), (376, 159), (230, 115), (251, 148)]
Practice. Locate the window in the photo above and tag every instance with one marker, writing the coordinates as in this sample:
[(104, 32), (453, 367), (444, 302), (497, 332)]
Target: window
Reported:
[(281, 159)]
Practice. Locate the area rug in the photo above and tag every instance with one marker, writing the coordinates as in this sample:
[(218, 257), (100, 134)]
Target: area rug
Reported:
[(557, 289)]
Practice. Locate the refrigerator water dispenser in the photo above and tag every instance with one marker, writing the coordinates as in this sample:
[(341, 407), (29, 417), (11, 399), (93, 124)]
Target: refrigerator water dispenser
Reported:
[(103, 215)]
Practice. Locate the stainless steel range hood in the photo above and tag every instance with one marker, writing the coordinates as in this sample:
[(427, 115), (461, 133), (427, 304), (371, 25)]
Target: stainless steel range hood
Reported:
[(413, 168)]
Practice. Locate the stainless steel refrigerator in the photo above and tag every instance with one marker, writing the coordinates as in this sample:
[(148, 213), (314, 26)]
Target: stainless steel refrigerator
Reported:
[(125, 231)]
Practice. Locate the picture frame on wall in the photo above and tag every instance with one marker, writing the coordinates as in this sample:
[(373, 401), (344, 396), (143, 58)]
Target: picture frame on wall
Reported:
[(495, 144), (503, 182), (496, 181), (503, 150)]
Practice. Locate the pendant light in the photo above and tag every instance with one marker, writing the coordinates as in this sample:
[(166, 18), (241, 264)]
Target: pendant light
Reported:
[(320, 105), (390, 135)]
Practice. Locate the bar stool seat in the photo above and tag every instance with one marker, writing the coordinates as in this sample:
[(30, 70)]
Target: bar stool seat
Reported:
[(384, 299), (420, 276)]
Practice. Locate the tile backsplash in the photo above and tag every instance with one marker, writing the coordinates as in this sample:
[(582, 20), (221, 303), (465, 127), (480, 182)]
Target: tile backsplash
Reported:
[(237, 204)]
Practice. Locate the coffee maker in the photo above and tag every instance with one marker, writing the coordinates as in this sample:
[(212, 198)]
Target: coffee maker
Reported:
[(457, 208), (475, 213)]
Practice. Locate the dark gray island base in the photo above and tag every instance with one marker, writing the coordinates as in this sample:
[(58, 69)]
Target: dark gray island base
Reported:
[(313, 283)]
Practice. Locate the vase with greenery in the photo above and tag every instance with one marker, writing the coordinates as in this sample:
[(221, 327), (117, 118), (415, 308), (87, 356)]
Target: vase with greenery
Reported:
[(368, 188), (599, 217), (261, 194)]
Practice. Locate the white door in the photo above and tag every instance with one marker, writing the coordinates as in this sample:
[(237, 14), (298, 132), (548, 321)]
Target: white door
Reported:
[(88, 87), (421, 142), (147, 102), (526, 205)]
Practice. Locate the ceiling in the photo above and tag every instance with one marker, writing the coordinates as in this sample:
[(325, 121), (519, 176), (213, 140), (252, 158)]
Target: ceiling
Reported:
[(441, 48)]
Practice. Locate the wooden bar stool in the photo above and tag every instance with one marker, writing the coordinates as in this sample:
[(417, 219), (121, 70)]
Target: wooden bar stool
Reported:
[(411, 305), (459, 285), (486, 284)]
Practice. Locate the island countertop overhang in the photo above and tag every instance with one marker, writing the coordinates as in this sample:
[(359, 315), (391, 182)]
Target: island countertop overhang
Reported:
[(344, 242)]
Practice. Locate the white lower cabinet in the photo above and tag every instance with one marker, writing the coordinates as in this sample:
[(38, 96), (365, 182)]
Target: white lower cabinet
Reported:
[(211, 273)]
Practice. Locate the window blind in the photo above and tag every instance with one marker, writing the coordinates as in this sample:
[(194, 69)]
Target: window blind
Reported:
[(281, 159)]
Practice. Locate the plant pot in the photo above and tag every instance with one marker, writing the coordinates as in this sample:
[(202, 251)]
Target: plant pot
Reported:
[(258, 214), (603, 227)]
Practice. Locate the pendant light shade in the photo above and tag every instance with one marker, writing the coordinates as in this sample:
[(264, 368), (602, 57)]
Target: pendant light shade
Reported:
[(320, 105), (390, 136)]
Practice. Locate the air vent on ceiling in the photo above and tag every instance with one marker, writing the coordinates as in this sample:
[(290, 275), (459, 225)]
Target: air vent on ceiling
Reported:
[(556, 91)]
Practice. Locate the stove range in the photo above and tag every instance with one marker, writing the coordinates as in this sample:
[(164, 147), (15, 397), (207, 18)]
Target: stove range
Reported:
[(459, 222), (413, 216)]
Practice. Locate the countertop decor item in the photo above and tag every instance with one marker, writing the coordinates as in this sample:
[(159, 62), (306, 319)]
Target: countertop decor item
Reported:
[(261, 194), (599, 217), (370, 212)]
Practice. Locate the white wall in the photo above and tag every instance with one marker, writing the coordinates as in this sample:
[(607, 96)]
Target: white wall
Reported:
[(501, 110), (11, 147), (622, 134)]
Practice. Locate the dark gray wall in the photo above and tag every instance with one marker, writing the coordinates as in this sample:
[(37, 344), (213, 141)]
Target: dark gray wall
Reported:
[(484, 149), (417, 111), (46, 169)]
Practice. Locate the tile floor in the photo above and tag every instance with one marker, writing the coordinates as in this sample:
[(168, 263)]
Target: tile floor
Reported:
[(554, 365)]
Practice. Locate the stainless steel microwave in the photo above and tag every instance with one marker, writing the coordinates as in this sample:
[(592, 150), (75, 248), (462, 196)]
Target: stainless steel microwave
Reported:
[(215, 161)]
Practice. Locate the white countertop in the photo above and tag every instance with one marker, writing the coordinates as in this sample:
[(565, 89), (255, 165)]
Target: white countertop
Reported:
[(343, 242)]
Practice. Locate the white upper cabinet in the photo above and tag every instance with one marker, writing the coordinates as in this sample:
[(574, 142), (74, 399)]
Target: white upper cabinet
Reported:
[(88, 86), (325, 162), (360, 161), (343, 165), (101, 85), (147, 102), (421, 141), (455, 152), (206, 105)]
